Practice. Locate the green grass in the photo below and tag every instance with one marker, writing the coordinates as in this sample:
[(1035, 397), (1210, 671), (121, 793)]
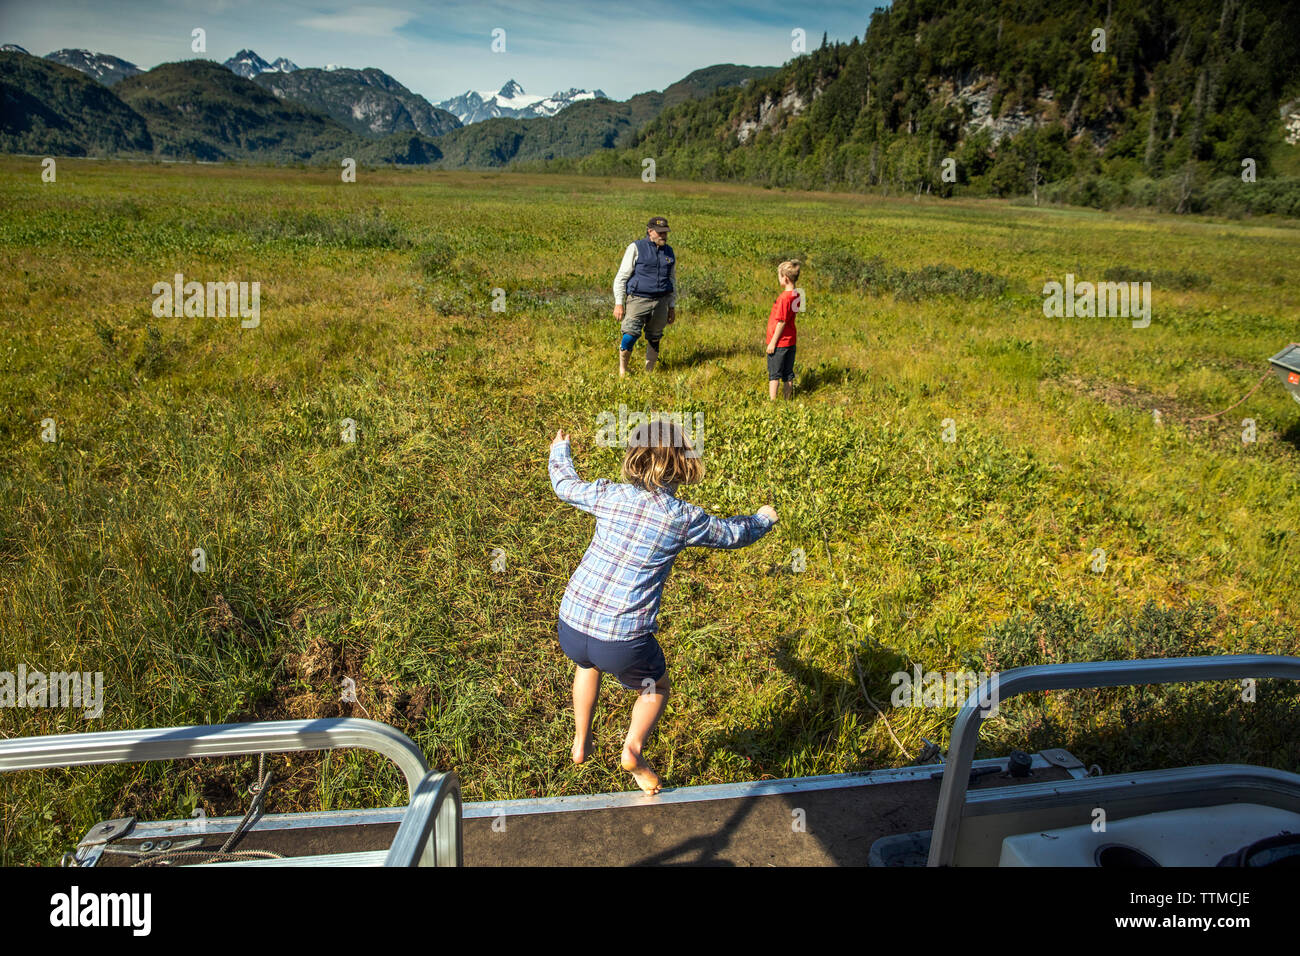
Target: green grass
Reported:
[(372, 560)]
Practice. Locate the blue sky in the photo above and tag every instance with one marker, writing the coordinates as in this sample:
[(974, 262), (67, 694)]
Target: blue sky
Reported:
[(442, 49)]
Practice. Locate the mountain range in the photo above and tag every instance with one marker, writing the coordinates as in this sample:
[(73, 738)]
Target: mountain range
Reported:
[(107, 69), (946, 97), (369, 102), (249, 65), (199, 109), (511, 101)]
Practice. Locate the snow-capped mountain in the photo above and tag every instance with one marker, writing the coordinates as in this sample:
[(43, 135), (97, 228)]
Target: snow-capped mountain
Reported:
[(512, 96), (103, 67), (474, 106), (12, 48), (248, 64), (559, 100)]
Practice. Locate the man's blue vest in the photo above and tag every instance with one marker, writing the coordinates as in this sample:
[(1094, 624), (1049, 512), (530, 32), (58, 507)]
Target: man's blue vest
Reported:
[(650, 272)]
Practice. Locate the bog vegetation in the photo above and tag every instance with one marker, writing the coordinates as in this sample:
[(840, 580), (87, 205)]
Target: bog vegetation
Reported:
[(373, 560)]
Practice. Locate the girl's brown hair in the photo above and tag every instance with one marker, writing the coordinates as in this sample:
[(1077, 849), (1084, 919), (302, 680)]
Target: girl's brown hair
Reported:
[(658, 455)]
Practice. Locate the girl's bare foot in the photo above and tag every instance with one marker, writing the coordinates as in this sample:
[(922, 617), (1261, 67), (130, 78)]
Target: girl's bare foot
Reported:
[(641, 772), (581, 748)]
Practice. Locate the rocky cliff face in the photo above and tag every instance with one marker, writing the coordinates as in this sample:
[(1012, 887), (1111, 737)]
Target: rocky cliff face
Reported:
[(771, 111), (1290, 113), (369, 102), (975, 95)]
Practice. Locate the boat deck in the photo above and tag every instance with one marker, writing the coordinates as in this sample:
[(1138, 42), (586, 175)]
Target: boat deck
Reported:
[(811, 821)]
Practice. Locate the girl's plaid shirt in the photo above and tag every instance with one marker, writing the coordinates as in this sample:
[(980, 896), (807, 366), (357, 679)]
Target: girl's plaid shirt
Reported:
[(614, 595)]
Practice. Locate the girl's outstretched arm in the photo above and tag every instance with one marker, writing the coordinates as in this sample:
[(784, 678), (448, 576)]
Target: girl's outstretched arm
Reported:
[(564, 478), (707, 531)]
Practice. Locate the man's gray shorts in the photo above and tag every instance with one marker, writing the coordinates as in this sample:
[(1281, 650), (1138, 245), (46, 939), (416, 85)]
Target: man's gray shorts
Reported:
[(650, 314)]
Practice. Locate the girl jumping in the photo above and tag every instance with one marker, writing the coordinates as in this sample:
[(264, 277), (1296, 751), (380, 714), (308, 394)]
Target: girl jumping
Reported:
[(609, 614)]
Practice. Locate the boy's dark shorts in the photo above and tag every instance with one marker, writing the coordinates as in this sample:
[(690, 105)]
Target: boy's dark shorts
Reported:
[(780, 365), (632, 662)]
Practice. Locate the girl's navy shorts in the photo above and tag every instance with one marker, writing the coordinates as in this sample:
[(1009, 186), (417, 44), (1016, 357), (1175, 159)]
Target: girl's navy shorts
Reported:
[(632, 662)]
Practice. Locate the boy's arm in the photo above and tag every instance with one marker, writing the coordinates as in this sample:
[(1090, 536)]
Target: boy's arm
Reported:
[(776, 336), (706, 531), (624, 273), (787, 313), (568, 486)]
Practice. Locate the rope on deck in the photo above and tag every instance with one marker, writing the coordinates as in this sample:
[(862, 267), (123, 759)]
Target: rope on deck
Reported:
[(227, 851)]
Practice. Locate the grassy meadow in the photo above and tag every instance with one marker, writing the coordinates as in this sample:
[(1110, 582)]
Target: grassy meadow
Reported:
[(373, 559)]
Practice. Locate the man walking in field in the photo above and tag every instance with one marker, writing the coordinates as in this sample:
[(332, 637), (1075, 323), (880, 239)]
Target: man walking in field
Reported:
[(647, 280)]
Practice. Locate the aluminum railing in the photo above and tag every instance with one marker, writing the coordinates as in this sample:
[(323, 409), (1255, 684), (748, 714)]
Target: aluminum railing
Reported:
[(1022, 680), (430, 832)]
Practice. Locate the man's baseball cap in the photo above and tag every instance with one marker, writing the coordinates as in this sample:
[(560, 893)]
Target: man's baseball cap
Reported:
[(658, 224)]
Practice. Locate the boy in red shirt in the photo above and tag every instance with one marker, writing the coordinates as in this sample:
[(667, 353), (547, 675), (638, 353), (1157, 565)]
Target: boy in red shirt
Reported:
[(781, 331)]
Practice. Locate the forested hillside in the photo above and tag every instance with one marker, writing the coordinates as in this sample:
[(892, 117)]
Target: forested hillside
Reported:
[(1101, 103), (198, 109), (50, 108)]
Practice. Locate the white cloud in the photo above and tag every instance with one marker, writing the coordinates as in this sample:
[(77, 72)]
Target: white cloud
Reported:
[(362, 20)]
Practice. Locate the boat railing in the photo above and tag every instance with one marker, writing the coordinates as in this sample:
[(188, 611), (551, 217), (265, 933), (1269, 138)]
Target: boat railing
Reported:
[(430, 832), (1022, 680)]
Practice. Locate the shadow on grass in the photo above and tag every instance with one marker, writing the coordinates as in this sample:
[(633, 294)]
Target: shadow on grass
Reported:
[(780, 741), (825, 374), (1292, 435), (1124, 729), (707, 353)]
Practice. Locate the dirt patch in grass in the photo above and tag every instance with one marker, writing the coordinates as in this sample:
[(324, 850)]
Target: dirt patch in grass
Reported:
[(1224, 431), (1117, 395), (313, 688)]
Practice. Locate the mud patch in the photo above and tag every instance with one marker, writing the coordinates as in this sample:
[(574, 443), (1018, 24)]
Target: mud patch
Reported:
[(1115, 395), (322, 667), (1224, 430), (298, 619), (221, 621)]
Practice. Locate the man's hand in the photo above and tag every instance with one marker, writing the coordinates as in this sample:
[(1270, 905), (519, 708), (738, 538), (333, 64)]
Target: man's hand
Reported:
[(672, 314), (771, 349), (560, 438), (618, 312), (768, 512)]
